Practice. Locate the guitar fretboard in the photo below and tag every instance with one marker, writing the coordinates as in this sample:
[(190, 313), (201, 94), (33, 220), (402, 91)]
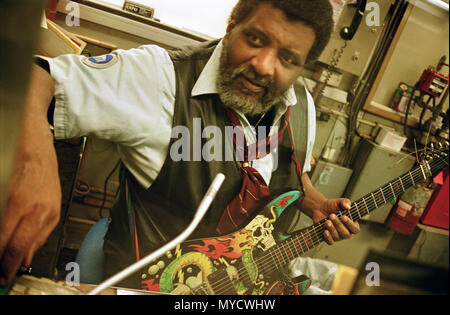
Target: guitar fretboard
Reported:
[(304, 240)]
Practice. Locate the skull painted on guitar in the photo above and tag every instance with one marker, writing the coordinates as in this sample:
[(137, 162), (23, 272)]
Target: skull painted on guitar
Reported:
[(237, 263)]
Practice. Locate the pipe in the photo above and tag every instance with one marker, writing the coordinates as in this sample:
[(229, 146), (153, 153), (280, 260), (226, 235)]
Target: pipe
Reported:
[(439, 3), (337, 113)]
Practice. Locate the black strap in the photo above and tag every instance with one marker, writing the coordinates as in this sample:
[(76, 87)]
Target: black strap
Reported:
[(299, 132), (299, 124), (46, 66)]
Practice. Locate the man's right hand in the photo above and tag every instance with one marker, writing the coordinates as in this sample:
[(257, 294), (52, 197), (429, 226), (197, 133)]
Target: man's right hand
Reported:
[(34, 191)]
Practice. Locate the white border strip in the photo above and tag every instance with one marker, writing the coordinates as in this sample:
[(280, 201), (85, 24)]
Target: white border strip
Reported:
[(127, 25)]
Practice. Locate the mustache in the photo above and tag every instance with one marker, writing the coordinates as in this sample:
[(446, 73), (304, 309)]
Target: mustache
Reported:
[(264, 81)]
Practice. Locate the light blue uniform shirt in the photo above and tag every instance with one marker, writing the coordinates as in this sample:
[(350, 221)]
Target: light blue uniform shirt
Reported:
[(129, 99)]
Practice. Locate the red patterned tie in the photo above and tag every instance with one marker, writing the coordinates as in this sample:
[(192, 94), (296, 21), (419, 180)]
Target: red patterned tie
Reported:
[(254, 192)]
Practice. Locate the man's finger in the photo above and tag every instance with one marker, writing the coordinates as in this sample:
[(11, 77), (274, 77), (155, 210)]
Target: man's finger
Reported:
[(332, 229), (346, 204), (341, 229), (40, 240), (18, 246), (7, 230), (352, 226), (328, 237)]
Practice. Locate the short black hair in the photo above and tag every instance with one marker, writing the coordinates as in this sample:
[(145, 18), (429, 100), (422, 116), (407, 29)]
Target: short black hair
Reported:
[(318, 14)]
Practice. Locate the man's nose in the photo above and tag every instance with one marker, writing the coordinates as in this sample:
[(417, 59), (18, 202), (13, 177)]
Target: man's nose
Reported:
[(264, 62)]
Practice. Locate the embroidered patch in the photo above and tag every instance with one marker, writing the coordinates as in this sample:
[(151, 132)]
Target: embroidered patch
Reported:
[(100, 62)]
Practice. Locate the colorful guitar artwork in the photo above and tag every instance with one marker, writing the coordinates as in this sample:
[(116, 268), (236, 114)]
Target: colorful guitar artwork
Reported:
[(192, 263), (252, 260)]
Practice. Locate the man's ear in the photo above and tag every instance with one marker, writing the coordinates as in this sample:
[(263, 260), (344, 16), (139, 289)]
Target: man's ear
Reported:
[(230, 27)]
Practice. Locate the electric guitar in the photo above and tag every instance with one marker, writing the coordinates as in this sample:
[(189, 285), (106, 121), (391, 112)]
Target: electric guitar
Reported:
[(252, 259)]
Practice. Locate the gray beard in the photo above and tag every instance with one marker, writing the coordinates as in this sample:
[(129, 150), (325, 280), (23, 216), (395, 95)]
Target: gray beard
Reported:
[(241, 103)]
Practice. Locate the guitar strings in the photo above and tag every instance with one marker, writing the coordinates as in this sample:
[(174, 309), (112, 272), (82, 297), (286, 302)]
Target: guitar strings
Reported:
[(316, 237), (317, 229), (378, 199), (375, 199)]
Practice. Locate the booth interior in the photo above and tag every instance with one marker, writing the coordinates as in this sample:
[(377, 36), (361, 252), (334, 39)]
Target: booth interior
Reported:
[(381, 102)]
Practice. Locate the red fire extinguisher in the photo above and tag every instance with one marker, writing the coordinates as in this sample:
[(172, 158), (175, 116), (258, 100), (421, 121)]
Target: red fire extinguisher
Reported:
[(409, 208)]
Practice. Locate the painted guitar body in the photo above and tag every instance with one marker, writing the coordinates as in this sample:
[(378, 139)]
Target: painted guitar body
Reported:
[(225, 264), (252, 259)]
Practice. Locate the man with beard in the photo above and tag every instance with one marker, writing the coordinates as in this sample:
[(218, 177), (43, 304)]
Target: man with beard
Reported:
[(136, 98)]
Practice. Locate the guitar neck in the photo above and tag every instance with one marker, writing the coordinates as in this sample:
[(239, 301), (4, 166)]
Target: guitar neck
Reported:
[(306, 239)]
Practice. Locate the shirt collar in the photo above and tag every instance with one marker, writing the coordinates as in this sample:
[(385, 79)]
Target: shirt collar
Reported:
[(206, 82)]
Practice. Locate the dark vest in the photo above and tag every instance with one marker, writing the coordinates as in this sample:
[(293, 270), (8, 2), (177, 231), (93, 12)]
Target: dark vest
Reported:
[(165, 209)]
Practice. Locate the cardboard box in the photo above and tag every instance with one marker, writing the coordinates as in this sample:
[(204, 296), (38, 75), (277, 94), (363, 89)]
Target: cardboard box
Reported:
[(390, 140)]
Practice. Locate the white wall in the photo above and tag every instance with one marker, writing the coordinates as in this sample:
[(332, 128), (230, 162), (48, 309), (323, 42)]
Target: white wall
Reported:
[(208, 17), (424, 40)]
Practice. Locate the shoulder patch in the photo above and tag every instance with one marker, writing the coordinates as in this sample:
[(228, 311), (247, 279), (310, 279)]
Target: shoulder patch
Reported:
[(101, 62)]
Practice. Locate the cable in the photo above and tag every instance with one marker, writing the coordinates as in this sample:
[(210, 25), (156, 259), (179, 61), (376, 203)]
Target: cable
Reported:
[(332, 68), (411, 97), (100, 210), (392, 21), (420, 247)]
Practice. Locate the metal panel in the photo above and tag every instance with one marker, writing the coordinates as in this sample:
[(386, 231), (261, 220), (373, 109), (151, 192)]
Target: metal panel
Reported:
[(374, 167), (359, 49), (330, 179)]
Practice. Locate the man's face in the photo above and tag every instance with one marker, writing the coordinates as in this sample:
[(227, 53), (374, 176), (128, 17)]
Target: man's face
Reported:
[(262, 56)]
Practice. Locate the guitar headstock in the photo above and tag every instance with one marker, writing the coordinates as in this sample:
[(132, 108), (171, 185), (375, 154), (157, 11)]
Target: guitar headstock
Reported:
[(435, 157), (433, 151)]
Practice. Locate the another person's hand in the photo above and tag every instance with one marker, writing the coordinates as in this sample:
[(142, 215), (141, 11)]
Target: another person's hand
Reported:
[(33, 201), (32, 211)]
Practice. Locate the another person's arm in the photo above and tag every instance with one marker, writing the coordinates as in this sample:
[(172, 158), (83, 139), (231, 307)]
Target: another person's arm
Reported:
[(34, 195), (126, 99)]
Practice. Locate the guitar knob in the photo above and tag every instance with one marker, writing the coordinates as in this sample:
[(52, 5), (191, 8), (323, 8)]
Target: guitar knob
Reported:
[(297, 285), (301, 284)]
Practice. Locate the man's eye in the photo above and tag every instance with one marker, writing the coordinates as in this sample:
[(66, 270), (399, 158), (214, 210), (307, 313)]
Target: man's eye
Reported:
[(289, 60), (254, 40)]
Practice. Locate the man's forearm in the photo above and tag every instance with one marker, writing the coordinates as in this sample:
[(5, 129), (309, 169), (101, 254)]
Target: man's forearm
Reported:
[(313, 200)]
